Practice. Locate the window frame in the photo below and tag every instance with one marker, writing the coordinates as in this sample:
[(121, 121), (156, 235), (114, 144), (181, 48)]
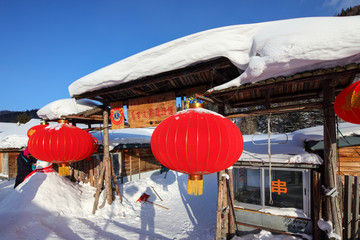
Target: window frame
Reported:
[(306, 180)]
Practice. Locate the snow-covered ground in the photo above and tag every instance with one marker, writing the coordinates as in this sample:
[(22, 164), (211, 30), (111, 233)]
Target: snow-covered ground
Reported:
[(47, 206), (51, 207)]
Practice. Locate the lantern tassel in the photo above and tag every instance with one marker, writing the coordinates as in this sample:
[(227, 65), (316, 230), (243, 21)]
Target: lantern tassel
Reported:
[(195, 185), (64, 170)]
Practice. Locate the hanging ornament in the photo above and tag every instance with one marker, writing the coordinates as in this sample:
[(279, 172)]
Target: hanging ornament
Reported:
[(62, 144), (347, 103), (197, 141)]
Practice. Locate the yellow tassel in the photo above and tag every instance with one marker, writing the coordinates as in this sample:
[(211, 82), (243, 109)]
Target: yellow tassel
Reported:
[(64, 170), (195, 185)]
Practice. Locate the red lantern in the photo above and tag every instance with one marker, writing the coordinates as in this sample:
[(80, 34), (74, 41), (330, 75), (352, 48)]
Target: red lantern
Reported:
[(347, 103), (62, 143), (197, 142), (32, 130)]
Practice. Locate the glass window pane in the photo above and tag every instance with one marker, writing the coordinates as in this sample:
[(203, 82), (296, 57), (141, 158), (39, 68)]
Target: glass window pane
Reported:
[(247, 186), (287, 189)]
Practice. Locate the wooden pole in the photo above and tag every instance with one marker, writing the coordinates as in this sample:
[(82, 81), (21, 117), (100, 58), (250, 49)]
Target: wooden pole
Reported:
[(332, 208), (138, 155), (182, 102), (230, 189), (130, 156), (219, 206), (116, 185), (316, 203), (106, 159), (98, 189), (225, 207)]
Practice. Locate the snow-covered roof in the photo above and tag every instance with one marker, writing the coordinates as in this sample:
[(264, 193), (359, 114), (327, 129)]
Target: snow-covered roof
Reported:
[(62, 107), (289, 148), (261, 50), (16, 135), (125, 136)]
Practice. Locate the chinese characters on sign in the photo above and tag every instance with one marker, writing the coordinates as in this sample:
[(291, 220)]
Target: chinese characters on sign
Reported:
[(150, 111), (279, 187)]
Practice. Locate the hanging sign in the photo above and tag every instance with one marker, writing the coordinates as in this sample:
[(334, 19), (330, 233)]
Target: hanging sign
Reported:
[(150, 111), (117, 115)]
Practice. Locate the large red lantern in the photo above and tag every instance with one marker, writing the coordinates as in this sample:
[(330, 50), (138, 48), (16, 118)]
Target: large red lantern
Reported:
[(197, 142), (347, 103), (32, 130), (61, 143)]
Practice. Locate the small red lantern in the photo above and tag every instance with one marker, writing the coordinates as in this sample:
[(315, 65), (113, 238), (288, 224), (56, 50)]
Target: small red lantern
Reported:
[(197, 142), (62, 143), (347, 103)]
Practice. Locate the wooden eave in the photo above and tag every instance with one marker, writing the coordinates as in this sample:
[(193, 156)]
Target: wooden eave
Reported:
[(209, 73), (269, 95)]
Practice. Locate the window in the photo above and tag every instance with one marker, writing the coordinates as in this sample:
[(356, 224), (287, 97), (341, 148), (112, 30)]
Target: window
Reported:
[(289, 188)]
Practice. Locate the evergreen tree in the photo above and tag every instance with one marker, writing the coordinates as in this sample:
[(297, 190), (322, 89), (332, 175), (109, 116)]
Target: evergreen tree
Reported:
[(23, 118)]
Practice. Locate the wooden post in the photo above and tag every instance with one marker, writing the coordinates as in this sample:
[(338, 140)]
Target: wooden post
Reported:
[(316, 203), (225, 208), (347, 206), (219, 206), (122, 165), (138, 155), (106, 159), (91, 172), (230, 189), (355, 222), (332, 208), (98, 189), (130, 157), (182, 102)]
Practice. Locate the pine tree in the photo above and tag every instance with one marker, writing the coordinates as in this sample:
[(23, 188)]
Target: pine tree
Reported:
[(23, 118)]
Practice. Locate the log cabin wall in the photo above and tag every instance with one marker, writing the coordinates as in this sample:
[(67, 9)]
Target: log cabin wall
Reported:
[(8, 158), (128, 164), (349, 161)]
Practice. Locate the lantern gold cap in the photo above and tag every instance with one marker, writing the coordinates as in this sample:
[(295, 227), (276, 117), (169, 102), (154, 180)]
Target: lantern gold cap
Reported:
[(196, 105), (63, 121)]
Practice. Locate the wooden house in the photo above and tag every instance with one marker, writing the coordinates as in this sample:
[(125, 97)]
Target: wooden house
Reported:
[(152, 80), (348, 149), (13, 140)]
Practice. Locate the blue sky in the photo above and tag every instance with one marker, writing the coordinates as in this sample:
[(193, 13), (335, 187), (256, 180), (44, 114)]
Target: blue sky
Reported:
[(45, 45)]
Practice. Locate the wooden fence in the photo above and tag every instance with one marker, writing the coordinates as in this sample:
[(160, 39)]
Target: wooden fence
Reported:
[(351, 208)]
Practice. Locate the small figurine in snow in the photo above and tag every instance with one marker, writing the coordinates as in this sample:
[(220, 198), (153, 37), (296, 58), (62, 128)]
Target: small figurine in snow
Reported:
[(25, 164)]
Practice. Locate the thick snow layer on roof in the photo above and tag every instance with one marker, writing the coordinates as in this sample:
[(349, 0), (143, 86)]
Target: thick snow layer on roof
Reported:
[(125, 136), (16, 136), (285, 148), (289, 148), (262, 50), (63, 107)]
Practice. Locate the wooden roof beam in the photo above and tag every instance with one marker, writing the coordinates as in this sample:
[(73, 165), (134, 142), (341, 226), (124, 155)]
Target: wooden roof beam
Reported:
[(221, 62), (278, 110)]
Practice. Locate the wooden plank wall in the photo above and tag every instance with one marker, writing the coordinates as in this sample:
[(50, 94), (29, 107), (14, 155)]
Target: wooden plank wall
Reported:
[(132, 161), (11, 156), (349, 161), (139, 160)]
